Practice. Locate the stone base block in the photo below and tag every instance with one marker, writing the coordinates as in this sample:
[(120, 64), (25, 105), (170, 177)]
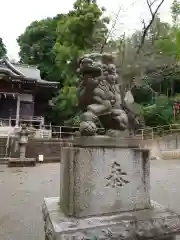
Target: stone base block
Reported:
[(102, 175), (16, 162), (154, 223)]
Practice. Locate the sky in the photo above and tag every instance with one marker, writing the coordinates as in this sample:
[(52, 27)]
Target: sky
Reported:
[(17, 15)]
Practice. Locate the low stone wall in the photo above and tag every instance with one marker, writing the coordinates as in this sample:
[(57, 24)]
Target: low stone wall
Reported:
[(166, 147), (49, 148), (169, 142), (173, 154)]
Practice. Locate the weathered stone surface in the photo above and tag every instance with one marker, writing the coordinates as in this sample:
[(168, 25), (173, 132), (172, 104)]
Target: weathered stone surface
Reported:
[(110, 142), (99, 97), (154, 223), (101, 179), (20, 144)]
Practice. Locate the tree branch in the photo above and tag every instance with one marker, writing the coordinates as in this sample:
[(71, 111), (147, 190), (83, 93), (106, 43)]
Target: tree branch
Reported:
[(150, 4), (113, 26), (109, 33), (147, 27)]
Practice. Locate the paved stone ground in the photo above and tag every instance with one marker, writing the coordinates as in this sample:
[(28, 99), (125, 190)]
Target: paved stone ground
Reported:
[(22, 191)]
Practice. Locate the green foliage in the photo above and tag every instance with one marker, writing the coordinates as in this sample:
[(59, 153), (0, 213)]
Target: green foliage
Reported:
[(178, 44), (36, 47), (55, 44), (142, 94), (166, 46), (160, 113), (161, 101), (73, 121), (177, 98), (3, 50), (78, 32), (66, 103), (162, 71), (175, 11)]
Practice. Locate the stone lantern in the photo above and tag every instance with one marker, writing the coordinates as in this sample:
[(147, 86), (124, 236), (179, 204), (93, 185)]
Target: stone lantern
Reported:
[(22, 136)]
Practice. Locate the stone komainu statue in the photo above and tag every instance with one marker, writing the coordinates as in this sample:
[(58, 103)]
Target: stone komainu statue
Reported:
[(99, 96)]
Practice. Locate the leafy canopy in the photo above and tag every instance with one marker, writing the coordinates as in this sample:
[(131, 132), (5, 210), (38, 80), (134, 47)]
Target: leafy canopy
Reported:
[(54, 45), (36, 46), (78, 32)]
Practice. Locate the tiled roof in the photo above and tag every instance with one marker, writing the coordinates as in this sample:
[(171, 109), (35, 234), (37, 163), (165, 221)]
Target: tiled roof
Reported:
[(28, 73)]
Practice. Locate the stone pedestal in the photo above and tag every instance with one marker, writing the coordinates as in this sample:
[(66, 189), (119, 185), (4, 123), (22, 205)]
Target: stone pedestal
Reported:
[(153, 223), (104, 194), (104, 175)]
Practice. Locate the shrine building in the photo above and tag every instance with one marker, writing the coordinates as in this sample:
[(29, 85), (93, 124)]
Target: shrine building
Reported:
[(24, 96)]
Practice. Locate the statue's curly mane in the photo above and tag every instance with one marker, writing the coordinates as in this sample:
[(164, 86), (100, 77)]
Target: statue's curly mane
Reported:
[(99, 95)]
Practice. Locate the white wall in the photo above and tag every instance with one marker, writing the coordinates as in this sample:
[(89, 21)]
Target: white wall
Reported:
[(26, 97)]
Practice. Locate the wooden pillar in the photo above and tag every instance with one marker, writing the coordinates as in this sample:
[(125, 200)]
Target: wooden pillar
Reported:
[(17, 110)]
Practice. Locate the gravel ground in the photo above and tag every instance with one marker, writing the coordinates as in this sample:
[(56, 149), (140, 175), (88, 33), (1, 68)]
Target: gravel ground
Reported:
[(22, 191)]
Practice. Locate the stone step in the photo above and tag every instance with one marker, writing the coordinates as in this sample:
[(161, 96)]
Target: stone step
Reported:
[(3, 160)]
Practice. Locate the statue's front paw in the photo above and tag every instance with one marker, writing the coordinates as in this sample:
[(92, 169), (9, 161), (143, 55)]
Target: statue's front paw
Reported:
[(107, 104), (87, 128)]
